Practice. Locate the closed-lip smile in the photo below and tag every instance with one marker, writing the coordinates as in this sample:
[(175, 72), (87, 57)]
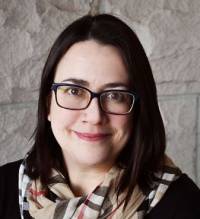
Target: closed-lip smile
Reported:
[(92, 136)]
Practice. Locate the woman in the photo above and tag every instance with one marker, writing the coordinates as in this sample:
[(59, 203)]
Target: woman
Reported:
[(99, 149)]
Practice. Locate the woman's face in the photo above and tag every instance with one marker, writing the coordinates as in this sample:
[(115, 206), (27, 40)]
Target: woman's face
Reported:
[(90, 137)]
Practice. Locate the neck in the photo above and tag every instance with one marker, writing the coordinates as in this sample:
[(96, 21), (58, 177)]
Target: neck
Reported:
[(84, 179)]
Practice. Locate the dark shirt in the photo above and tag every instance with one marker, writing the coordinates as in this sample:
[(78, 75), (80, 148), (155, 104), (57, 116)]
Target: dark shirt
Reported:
[(181, 201)]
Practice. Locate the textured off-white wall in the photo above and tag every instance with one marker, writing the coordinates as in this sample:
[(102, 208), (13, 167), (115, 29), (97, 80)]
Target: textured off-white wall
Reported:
[(169, 31)]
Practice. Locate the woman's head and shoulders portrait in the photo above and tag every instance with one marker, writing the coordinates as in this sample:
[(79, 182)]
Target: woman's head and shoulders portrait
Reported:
[(99, 144)]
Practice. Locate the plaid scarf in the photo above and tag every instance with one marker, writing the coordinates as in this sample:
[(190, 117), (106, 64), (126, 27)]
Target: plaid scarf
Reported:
[(60, 203)]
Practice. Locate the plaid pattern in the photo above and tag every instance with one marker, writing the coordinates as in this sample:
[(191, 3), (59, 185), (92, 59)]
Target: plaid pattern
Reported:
[(24, 183), (60, 203)]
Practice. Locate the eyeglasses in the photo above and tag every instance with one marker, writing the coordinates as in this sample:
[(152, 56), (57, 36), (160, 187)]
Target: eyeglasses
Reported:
[(75, 97)]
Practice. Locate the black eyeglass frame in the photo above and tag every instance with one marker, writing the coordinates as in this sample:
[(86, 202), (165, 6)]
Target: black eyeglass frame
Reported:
[(94, 95)]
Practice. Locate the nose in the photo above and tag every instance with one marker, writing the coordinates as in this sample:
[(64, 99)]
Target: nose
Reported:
[(93, 113)]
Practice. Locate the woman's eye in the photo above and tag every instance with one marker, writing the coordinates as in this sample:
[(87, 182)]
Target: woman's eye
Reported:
[(72, 90), (115, 96)]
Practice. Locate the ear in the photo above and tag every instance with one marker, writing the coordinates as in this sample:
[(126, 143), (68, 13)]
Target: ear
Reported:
[(49, 117)]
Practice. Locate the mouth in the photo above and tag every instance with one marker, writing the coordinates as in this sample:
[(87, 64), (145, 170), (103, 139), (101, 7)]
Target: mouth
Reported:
[(92, 136)]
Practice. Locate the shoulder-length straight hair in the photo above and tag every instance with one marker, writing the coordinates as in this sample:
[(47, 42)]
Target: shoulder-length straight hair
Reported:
[(143, 154)]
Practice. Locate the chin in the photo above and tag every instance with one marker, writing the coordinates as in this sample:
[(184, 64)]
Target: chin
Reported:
[(91, 160)]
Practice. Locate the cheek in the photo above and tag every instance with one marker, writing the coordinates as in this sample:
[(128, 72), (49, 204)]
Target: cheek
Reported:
[(60, 117), (123, 128), (121, 122)]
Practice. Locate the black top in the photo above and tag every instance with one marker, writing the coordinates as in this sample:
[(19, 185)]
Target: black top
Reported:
[(181, 201)]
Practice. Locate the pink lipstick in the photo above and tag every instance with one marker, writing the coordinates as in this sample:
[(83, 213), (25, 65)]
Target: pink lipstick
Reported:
[(92, 136)]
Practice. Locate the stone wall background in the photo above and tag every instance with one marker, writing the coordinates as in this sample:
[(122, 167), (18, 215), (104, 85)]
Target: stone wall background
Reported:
[(170, 33)]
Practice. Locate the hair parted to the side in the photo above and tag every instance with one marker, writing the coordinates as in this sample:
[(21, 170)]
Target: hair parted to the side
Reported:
[(144, 153)]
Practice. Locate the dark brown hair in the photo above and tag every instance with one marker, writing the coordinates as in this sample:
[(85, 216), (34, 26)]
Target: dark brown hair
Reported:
[(144, 152)]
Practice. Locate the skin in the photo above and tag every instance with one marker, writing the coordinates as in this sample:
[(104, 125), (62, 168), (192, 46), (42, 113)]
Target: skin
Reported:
[(88, 154)]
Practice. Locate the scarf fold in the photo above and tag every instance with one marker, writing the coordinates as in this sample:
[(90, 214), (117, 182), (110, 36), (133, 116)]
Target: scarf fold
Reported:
[(59, 202)]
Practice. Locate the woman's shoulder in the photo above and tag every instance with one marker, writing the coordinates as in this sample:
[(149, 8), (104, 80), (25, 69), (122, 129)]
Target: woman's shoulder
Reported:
[(9, 175), (10, 168), (185, 190), (186, 183), (181, 201), (9, 190)]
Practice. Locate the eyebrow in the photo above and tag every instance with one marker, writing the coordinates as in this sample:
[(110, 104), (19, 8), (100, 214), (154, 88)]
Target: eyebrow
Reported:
[(77, 81), (86, 83)]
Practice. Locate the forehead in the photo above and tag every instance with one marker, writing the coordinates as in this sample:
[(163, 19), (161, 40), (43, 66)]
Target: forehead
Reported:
[(93, 62)]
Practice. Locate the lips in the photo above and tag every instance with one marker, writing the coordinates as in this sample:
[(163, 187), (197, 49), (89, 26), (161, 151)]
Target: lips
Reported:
[(92, 136)]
